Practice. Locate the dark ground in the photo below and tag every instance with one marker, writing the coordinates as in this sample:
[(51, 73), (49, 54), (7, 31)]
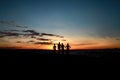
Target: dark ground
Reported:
[(48, 57)]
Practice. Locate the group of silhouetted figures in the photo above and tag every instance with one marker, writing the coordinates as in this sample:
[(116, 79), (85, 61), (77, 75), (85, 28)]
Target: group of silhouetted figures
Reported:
[(61, 48)]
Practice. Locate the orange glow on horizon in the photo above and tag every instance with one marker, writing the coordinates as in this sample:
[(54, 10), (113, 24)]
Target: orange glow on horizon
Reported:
[(50, 47), (75, 43)]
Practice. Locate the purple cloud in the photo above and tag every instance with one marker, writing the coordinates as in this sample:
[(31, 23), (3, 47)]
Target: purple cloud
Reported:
[(43, 39), (43, 43), (3, 34), (46, 34), (30, 41), (11, 34), (32, 32), (18, 42)]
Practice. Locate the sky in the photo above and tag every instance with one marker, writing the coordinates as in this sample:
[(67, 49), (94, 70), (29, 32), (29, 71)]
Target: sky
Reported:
[(38, 24)]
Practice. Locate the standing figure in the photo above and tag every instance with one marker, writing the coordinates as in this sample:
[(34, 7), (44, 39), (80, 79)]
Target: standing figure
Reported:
[(58, 47), (54, 48), (68, 48), (62, 48)]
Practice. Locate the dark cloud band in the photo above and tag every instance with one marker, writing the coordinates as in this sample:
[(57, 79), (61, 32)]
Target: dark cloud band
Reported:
[(36, 36), (43, 43)]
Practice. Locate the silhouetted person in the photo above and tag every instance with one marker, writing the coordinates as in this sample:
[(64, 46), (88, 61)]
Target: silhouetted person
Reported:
[(54, 48), (58, 47), (68, 48), (62, 48)]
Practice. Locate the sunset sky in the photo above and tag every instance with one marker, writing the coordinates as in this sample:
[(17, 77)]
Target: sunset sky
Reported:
[(38, 24)]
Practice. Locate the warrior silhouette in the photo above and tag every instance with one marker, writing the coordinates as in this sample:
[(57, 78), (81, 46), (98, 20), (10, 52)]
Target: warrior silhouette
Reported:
[(58, 47), (68, 48), (54, 48), (62, 47)]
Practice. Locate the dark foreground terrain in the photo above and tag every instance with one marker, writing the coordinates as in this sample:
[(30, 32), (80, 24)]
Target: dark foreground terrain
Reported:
[(48, 57)]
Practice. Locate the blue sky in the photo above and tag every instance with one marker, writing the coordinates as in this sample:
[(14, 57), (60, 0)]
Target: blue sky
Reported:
[(80, 18)]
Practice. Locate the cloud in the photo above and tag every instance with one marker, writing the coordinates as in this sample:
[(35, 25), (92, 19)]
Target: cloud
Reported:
[(29, 33), (12, 30), (18, 42), (3, 34), (59, 36), (43, 39), (30, 41), (32, 32), (41, 34), (12, 47), (12, 34), (118, 39), (43, 43), (84, 44), (64, 40), (21, 26), (46, 34), (33, 37), (88, 43), (12, 23), (3, 40), (15, 33)]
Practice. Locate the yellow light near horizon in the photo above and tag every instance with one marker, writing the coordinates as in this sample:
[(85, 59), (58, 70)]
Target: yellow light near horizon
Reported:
[(50, 47)]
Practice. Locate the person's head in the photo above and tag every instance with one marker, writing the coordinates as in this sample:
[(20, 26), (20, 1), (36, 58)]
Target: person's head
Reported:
[(54, 44), (67, 43)]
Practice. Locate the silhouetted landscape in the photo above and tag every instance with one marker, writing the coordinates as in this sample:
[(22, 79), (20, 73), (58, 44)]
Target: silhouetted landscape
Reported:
[(106, 56)]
